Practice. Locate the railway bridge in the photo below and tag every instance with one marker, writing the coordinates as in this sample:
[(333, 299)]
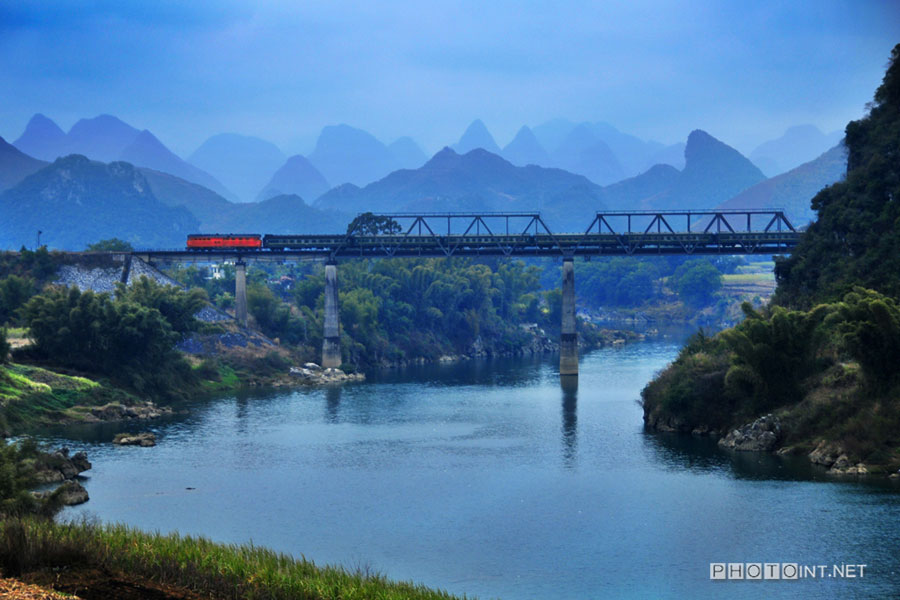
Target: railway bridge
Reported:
[(610, 233)]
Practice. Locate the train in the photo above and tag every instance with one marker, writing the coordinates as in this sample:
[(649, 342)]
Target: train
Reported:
[(200, 242)]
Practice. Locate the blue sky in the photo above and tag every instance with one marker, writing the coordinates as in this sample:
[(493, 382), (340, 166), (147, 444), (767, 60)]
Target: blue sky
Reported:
[(743, 71)]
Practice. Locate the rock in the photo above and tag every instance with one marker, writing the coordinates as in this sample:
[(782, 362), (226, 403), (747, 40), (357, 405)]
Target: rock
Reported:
[(73, 493), (826, 453), (312, 366), (761, 435), (145, 440), (58, 466), (700, 430)]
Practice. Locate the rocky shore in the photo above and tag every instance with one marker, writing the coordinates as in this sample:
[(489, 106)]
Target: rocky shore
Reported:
[(58, 467), (312, 374)]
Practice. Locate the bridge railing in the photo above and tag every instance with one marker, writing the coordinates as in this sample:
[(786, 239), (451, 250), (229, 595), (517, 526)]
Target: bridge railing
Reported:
[(692, 221)]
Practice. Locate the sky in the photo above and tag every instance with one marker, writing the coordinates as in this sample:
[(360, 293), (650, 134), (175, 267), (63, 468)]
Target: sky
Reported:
[(281, 70)]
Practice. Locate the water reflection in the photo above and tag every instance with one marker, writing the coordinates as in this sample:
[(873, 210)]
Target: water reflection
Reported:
[(569, 385), (333, 403)]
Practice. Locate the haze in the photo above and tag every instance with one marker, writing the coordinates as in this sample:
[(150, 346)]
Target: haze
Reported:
[(281, 70)]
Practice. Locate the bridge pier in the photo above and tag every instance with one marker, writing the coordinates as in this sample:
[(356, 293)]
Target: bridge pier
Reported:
[(568, 342), (240, 292), (331, 344)]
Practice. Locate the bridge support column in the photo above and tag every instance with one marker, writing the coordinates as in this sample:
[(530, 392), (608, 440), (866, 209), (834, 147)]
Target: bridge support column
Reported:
[(240, 292), (331, 345), (568, 342)]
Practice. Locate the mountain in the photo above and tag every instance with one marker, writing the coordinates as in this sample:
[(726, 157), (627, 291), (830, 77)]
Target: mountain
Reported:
[(476, 136), (102, 138), (668, 155), (630, 193), (552, 133), (147, 151), (583, 152), (41, 139), (242, 163), (793, 190), (173, 191), (344, 154), (407, 153), (713, 172), (525, 149), (634, 154), (798, 145), (283, 214), (296, 176), (15, 165), (477, 180), (76, 201)]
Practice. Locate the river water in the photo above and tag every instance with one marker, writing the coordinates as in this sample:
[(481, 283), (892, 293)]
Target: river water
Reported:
[(493, 479)]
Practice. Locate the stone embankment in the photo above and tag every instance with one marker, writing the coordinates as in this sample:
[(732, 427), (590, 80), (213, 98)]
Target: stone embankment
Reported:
[(312, 374)]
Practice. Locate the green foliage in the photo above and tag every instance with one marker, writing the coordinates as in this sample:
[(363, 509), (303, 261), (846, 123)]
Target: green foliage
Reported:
[(4, 347), (275, 318), (130, 343), (772, 355), (38, 265), (856, 237), (176, 305), (213, 570), (110, 245), (696, 282), (869, 326), (371, 224), (14, 292)]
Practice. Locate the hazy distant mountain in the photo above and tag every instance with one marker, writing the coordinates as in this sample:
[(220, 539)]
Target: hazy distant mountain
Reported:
[(147, 151), (296, 176), (102, 138), (798, 145), (668, 155), (106, 138), (344, 154), (583, 152), (242, 163), (15, 165), (202, 202), (477, 180), (552, 133), (287, 213), (713, 172), (630, 194), (476, 136), (76, 201), (525, 149), (41, 139), (793, 190), (407, 153)]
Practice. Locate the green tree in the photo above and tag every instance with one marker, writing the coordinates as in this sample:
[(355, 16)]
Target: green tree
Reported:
[(696, 282), (371, 224), (110, 245), (14, 292), (176, 305)]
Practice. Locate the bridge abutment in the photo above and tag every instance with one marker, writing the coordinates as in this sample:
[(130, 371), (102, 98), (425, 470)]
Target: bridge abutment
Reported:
[(568, 339), (240, 292), (331, 345)]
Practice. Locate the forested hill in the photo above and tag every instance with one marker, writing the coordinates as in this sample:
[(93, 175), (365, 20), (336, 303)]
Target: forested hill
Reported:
[(856, 238), (816, 372)]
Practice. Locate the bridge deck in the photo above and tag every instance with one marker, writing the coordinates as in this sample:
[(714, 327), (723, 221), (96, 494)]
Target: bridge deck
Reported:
[(413, 235)]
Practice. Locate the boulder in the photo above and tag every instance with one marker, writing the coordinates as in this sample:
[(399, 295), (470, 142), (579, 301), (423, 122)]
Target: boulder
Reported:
[(135, 439), (59, 466), (73, 493), (826, 453), (761, 435)]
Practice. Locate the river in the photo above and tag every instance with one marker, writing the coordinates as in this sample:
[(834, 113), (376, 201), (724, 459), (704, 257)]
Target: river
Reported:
[(494, 480)]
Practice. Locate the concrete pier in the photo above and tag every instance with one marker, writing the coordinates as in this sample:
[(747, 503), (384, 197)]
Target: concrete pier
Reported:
[(568, 342), (240, 292), (331, 345)]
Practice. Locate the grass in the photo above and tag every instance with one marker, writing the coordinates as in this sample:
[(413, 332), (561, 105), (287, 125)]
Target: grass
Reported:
[(747, 278), (216, 570)]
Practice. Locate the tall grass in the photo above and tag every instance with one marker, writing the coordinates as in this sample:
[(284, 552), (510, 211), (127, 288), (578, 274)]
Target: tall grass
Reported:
[(219, 570)]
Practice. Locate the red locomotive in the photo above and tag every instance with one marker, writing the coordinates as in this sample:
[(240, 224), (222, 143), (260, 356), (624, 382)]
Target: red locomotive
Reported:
[(217, 241)]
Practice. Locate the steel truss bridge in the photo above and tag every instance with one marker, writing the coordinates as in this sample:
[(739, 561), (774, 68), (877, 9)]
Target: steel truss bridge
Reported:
[(610, 233)]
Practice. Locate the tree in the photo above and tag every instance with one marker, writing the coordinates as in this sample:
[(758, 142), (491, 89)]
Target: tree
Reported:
[(14, 292), (696, 282), (110, 245), (372, 224), (176, 305)]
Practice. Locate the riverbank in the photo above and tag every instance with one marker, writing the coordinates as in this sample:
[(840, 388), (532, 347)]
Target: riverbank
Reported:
[(118, 561)]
